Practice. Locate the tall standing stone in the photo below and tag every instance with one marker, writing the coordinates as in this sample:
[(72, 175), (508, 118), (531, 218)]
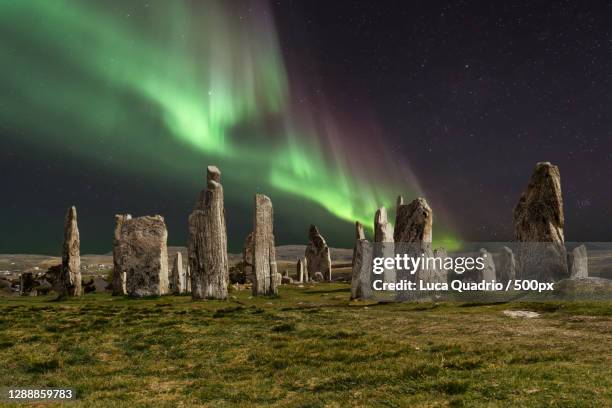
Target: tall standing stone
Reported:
[(179, 284), (359, 234), (247, 258), (207, 246), (538, 222), (383, 232), (506, 269), (413, 222), (71, 258), (578, 263), (361, 276), (144, 255), (317, 255), (119, 274), (488, 272), (264, 253), (302, 270)]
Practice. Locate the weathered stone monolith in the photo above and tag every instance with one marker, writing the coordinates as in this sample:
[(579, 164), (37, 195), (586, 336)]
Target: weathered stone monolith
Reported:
[(361, 276), (413, 222), (302, 270), (71, 258), (538, 222), (488, 272), (383, 232), (578, 263), (27, 284), (247, 258), (317, 255), (506, 268), (119, 275), (359, 231), (264, 253), (179, 285), (207, 247), (144, 255)]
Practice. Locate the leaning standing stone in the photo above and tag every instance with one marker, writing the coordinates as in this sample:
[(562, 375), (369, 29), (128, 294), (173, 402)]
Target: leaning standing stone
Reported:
[(71, 258), (317, 255), (207, 245), (264, 253)]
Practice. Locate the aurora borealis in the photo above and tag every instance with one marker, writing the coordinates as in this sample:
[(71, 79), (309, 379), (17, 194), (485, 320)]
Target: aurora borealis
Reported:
[(330, 108), (203, 75)]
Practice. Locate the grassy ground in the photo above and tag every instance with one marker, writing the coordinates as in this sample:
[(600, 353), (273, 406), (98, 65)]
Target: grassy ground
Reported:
[(307, 348)]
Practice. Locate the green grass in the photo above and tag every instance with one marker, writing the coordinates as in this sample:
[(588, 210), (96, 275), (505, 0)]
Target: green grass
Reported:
[(307, 347)]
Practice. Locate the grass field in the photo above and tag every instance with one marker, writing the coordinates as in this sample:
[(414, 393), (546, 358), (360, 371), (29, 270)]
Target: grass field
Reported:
[(309, 347)]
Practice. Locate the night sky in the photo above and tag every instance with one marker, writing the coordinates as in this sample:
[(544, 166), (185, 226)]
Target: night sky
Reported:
[(330, 108)]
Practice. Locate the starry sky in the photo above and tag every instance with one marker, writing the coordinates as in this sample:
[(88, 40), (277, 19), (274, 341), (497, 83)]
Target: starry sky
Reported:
[(330, 108)]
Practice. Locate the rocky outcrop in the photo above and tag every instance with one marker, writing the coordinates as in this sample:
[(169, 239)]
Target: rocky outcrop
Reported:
[(144, 255), (317, 255), (264, 253), (119, 275), (538, 222), (207, 246), (413, 222), (178, 282), (578, 262), (506, 265), (361, 276), (71, 258)]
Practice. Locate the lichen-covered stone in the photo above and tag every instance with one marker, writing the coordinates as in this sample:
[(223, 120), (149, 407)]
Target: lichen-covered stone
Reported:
[(71, 258), (119, 275), (144, 255), (317, 255), (207, 246), (264, 252), (413, 222)]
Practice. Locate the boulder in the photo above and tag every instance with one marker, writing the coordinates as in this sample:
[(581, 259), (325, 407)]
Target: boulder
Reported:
[(318, 277), (144, 255), (119, 275), (27, 284), (286, 280), (264, 252), (578, 263), (317, 254), (207, 244), (71, 259)]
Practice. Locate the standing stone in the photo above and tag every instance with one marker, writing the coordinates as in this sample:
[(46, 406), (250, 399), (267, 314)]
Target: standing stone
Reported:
[(383, 232), (71, 258), (247, 258), (119, 275), (488, 272), (264, 253), (144, 255), (27, 284), (383, 238), (359, 231), (538, 222), (578, 263), (317, 255), (506, 269), (188, 279), (179, 284), (361, 276), (302, 270), (413, 222), (207, 246)]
